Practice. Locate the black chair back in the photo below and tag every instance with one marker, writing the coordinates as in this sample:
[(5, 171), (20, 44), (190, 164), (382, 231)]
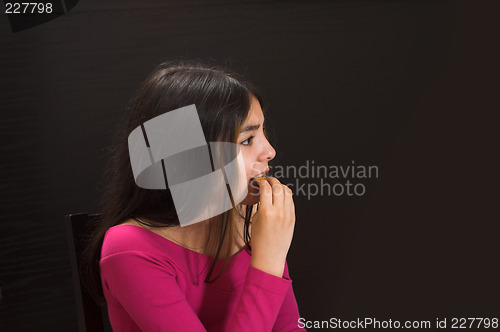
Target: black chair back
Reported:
[(91, 316)]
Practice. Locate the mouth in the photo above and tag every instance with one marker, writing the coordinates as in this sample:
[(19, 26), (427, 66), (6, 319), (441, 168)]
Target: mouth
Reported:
[(260, 176)]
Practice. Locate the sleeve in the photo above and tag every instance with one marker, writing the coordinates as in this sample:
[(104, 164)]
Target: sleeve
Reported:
[(148, 291), (288, 316), (260, 301)]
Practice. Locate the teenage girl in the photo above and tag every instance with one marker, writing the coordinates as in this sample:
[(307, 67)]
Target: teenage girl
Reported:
[(227, 273)]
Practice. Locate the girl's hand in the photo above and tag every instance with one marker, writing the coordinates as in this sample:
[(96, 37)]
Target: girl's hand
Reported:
[(272, 227)]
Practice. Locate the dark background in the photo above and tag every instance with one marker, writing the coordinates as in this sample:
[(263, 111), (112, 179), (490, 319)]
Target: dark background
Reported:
[(409, 86)]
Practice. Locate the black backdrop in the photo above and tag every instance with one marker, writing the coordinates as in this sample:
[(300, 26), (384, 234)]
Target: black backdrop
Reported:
[(408, 86)]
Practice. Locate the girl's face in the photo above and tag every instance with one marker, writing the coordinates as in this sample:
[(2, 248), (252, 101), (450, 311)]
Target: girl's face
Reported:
[(255, 149)]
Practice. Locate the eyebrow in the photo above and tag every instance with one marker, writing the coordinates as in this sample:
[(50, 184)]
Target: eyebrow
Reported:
[(250, 128)]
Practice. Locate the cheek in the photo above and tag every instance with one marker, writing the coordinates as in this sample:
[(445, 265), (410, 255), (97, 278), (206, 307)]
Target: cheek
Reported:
[(248, 166), (251, 164)]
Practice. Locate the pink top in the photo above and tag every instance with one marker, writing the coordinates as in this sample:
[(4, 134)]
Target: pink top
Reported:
[(153, 284)]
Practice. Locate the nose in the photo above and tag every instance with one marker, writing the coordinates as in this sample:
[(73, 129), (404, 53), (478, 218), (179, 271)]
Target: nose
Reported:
[(268, 153)]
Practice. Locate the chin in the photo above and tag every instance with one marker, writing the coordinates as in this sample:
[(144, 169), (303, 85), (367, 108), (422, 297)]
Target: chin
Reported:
[(253, 196), (250, 200)]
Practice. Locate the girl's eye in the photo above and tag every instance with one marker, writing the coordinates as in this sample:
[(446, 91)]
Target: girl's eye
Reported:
[(248, 140)]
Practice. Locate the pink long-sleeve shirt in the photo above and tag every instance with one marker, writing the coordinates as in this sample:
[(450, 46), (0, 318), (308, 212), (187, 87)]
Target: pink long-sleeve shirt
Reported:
[(153, 284)]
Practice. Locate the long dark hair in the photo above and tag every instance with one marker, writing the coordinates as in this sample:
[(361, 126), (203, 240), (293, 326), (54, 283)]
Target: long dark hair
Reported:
[(222, 99)]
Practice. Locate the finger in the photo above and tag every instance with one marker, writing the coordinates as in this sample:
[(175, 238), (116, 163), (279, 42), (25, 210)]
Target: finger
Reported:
[(288, 202), (278, 191), (266, 193)]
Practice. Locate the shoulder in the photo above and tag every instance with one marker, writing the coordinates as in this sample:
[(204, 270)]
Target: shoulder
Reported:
[(128, 237)]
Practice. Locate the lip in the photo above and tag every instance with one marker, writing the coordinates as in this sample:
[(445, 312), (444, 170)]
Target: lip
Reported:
[(265, 172)]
